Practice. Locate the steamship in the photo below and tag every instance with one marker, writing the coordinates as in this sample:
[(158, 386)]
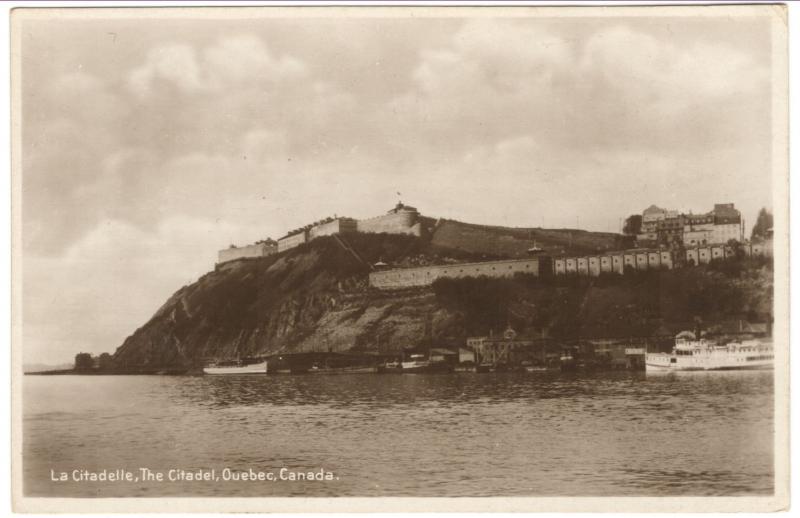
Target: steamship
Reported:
[(692, 354)]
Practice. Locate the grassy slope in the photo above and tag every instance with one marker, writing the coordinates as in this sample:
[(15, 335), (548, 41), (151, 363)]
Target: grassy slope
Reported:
[(514, 242), (315, 297)]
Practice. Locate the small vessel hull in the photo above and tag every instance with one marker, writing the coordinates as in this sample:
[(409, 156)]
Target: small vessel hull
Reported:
[(536, 369), (420, 367), (664, 363), (254, 368), (661, 368)]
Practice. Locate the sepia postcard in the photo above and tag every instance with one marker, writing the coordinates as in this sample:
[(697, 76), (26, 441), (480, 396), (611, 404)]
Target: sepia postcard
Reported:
[(400, 258)]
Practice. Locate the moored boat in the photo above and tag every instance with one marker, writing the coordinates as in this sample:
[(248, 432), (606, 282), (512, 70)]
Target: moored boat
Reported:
[(692, 354), (536, 368), (417, 363), (236, 367), (352, 369), (390, 368)]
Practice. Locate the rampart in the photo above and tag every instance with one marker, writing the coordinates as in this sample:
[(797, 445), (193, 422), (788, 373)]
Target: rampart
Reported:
[(426, 275), (705, 254), (291, 241), (400, 220), (650, 259), (337, 226), (614, 262), (249, 251)]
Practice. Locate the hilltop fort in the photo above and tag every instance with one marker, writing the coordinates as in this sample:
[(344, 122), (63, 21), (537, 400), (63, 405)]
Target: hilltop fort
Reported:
[(401, 279), (402, 219), (664, 239)]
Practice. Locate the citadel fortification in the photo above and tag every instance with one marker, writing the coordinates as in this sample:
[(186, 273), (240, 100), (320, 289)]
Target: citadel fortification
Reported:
[(402, 219), (260, 249)]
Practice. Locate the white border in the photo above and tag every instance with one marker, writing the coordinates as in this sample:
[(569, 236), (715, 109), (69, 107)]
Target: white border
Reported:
[(427, 504)]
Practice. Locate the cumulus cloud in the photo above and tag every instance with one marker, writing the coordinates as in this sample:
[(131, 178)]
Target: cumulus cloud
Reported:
[(229, 62), (143, 158)]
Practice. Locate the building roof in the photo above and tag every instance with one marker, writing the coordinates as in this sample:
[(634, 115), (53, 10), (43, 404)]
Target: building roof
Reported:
[(653, 209), (726, 210), (401, 207)]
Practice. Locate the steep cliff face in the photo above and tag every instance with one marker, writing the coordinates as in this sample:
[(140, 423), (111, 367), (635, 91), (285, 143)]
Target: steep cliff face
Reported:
[(316, 298)]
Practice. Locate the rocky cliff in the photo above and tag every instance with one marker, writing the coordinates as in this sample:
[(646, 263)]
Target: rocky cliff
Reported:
[(316, 298)]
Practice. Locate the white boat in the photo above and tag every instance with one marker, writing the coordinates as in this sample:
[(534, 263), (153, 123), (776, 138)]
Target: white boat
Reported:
[(691, 354), (416, 363), (419, 363), (236, 367)]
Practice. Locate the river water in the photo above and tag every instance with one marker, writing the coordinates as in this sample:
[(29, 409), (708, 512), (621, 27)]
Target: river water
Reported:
[(493, 434)]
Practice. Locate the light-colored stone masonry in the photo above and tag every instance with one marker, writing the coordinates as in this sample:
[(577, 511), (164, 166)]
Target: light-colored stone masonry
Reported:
[(401, 220), (648, 259), (287, 242), (337, 226), (592, 265), (249, 251)]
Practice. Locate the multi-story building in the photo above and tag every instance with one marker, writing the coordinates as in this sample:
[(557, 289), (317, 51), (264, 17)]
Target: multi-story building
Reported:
[(660, 226), (698, 229), (719, 226), (727, 223), (669, 231), (670, 228)]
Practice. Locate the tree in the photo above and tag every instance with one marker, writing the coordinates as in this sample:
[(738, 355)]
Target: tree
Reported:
[(737, 248), (106, 362), (763, 224), (83, 362), (633, 225)]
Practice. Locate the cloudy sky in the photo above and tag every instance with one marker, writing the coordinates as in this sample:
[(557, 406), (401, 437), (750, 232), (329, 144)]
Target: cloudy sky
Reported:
[(150, 144)]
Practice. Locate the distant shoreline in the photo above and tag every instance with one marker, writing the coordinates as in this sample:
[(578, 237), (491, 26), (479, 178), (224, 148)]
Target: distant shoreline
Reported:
[(65, 372)]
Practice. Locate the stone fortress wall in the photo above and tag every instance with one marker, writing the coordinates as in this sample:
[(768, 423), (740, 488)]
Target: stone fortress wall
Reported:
[(261, 249), (400, 220), (613, 262), (591, 266), (426, 275), (293, 240), (337, 226), (649, 259)]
